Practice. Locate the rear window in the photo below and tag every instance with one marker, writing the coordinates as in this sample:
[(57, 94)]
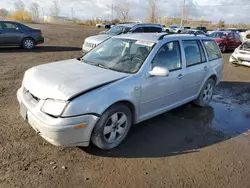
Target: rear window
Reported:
[(213, 51)]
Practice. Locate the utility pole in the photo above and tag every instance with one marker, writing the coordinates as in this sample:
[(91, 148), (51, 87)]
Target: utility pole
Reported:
[(183, 12), (43, 14), (112, 12), (72, 13)]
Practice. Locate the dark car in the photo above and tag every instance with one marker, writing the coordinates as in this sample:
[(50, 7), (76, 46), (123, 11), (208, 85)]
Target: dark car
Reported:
[(227, 40), (17, 34), (204, 29)]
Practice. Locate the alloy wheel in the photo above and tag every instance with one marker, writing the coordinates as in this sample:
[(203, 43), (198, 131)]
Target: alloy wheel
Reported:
[(115, 127)]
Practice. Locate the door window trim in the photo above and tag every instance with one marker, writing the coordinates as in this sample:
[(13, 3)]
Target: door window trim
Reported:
[(179, 51), (199, 43)]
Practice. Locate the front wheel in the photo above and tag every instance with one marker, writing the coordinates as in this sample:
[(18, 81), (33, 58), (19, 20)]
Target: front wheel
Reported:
[(112, 127), (206, 93)]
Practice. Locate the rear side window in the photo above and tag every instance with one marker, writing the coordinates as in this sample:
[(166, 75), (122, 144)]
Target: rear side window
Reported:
[(139, 30), (213, 51), (11, 26), (152, 29), (194, 52), (236, 36)]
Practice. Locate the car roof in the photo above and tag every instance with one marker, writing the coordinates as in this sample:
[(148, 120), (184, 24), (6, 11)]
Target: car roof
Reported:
[(139, 24), (154, 37), (127, 25)]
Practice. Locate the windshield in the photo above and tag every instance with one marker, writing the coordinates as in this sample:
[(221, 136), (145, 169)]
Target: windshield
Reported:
[(116, 30), (218, 35), (122, 55)]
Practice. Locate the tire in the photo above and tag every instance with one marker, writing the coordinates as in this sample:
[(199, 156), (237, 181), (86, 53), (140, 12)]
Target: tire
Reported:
[(206, 94), (223, 48), (28, 43), (108, 132)]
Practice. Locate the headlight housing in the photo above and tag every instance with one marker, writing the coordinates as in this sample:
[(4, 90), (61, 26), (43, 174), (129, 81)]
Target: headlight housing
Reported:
[(54, 107)]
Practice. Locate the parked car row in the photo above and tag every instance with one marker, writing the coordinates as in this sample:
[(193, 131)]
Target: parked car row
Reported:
[(93, 41)]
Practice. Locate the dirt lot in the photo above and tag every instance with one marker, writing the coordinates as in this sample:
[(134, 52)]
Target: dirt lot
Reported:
[(187, 147)]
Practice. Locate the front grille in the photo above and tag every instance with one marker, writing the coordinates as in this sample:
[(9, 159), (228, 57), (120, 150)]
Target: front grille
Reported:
[(89, 45), (30, 97)]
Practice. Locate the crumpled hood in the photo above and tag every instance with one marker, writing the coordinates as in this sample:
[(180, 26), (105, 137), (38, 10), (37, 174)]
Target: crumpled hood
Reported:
[(65, 79), (97, 39)]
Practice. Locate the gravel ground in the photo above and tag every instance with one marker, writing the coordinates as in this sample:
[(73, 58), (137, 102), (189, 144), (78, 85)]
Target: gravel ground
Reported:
[(186, 147)]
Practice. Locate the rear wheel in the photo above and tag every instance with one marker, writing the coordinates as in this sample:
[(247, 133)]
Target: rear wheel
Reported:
[(28, 43), (206, 94), (112, 127)]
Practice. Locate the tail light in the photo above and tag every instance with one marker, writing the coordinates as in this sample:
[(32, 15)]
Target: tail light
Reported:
[(40, 32)]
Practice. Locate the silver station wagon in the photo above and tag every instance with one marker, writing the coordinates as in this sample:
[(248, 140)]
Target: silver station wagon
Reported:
[(123, 81)]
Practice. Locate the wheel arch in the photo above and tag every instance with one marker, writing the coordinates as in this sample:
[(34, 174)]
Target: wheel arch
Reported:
[(130, 105)]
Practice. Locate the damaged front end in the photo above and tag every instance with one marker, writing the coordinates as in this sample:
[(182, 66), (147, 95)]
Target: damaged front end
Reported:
[(241, 55)]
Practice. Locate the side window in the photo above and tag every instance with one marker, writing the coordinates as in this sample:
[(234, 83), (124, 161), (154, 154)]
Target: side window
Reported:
[(236, 36), (193, 52), (230, 35), (153, 29), (169, 56), (139, 30), (1, 28), (213, 51), (11, 26)]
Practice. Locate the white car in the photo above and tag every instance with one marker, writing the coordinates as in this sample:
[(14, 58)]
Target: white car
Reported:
[(123, 81), (241, 55)]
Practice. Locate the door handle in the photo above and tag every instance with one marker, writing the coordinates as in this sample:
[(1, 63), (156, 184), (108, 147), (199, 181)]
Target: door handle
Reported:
[(205, 68), (180, 76)]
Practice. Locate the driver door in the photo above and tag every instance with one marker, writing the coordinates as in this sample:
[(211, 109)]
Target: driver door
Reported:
[(159, 94)]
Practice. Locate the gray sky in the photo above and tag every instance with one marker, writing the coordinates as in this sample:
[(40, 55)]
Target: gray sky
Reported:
[(231, 11)]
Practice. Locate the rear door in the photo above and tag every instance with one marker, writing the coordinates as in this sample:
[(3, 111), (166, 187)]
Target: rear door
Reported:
[(231, 44), (237, 40), (1, 34), (196, 67), (13, 33)]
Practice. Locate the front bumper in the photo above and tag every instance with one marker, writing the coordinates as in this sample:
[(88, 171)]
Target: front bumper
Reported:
[(240, 59), (57, 131)]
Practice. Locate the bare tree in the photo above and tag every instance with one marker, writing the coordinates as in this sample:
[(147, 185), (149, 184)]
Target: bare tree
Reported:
[(153, 11), (34, 9), (4, 13), (122, 11), (55, 9), (19, 6)]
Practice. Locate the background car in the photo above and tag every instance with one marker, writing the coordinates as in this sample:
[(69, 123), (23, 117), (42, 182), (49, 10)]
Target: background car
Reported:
[(227, 40), (204, 29), (194, 31), (17, 34), (241, 55), (93, 41)]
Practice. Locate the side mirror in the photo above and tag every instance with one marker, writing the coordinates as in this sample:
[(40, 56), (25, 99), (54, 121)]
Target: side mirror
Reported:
[(159, 71)]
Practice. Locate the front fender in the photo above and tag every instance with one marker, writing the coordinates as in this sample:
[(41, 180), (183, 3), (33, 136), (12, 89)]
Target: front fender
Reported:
[(99, 100)]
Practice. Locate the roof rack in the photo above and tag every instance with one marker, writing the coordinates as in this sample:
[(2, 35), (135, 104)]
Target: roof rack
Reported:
[(162, 36)]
